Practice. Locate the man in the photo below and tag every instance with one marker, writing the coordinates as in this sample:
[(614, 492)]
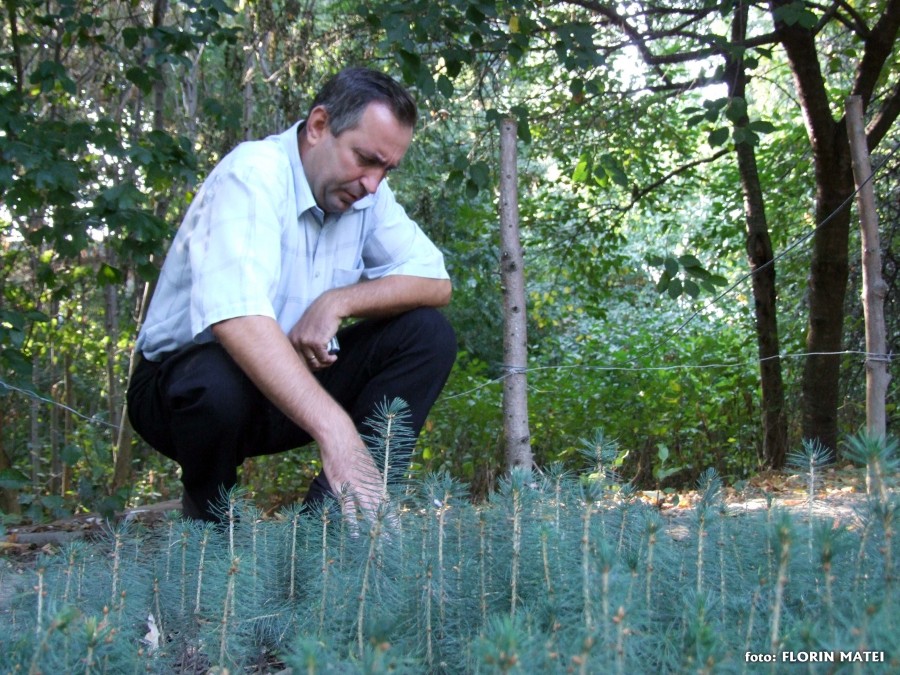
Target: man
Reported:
[(288, 237)]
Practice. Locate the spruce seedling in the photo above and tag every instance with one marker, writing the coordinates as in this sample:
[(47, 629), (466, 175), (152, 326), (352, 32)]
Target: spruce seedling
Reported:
[(588, 497), (783, 535), (390, 442), (59, 623), (375, 533), (185, 539), (41, 594), (886, 512), (228, 609), (545, 559), (482, 563), (73, 553), (323, 600), (651, 527), (710, 487), (295, 524), (602, 454), (880, 457), (517, 483), (206, 531), (829, 541), (810, 461)]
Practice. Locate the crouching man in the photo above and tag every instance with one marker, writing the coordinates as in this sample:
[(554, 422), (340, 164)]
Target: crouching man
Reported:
[(288, 237)]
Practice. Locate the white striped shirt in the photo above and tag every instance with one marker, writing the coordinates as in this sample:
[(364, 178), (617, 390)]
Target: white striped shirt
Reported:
[(254, 242)]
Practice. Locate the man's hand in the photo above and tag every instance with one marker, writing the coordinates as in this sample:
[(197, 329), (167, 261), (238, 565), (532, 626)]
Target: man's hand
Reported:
[(310, 335), (352, 473), (262, 351), (378, 298)]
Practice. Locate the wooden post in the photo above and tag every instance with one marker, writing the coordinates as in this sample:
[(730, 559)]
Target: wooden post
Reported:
[(873, 287), (512, 279)]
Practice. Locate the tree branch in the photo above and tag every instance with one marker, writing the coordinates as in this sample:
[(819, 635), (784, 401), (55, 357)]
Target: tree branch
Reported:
[(884, 119), (878, 47), (799, 43), (638, 194), (11, 7)]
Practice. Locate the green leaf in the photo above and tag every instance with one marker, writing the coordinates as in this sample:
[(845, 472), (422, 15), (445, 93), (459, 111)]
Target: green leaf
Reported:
[(672, 266), (737, 109), (480, 174), (675, 289), (745, 135), (691, 288), (614, 170), (583, 169), (762, 127), (445, 86), (70, 455), (143, 78), (13, 479), (663, 282), (662, 452), (108, 275), (718, 137), (689, 261), (131, 36)]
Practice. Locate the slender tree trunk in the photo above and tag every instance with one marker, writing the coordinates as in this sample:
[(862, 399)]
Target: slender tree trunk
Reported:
[(160, 7), (55, 435), (760, 255), (68, 422), (34, 444), (9, 498), (512, 279), (122, 470), (874, 289)]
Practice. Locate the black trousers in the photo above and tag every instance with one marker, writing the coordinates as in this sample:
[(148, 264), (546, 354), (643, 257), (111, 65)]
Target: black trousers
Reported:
[(197, 406)]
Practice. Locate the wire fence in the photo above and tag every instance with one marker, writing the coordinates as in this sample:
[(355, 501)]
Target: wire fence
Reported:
[(664, 340)]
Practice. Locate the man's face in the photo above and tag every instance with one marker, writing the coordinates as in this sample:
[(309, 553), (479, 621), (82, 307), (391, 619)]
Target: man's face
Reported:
[(343, 169)]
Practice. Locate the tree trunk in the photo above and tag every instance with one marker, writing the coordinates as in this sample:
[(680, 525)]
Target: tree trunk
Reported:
[(761, 258), (829, 264), (512, 279), (122, 470), (874, 288), (34, 444), (9, 498), (68, 422)]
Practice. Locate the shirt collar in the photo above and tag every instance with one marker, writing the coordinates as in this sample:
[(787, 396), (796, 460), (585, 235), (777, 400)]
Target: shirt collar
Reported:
[(305, 200)]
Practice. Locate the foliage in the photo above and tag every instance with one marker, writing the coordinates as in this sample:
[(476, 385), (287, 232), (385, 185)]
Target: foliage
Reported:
[(631, 213)]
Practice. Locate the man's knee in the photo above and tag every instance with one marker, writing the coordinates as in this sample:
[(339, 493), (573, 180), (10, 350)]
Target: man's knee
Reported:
[(434, 332)]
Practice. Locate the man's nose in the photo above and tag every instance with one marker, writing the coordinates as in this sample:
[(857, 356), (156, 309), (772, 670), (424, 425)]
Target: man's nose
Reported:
[(371, 179)]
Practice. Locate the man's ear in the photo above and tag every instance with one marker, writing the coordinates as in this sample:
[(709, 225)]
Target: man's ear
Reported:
[(316, 124)]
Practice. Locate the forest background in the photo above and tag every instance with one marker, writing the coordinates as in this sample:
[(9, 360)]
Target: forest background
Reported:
[(686, 200)]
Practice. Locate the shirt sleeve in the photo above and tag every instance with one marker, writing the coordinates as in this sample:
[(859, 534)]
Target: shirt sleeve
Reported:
[(235, 247), (396, 244)]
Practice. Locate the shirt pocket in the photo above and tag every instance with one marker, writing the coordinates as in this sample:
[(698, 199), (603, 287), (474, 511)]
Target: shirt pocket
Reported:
[(344, 277)]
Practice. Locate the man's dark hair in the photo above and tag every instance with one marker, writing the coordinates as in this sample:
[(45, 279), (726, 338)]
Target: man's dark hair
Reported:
[(346, 95)]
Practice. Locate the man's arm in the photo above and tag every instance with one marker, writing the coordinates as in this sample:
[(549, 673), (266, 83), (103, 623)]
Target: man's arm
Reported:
[(263, 352), (387, 296)]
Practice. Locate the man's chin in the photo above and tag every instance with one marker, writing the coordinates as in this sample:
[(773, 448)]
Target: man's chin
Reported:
[(337, 207), (339, 204)]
